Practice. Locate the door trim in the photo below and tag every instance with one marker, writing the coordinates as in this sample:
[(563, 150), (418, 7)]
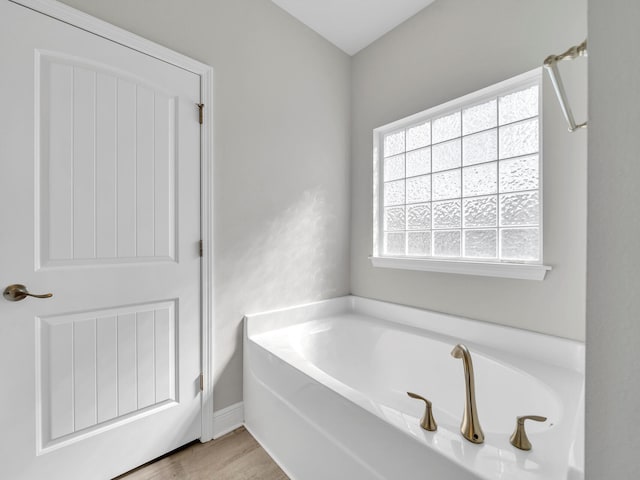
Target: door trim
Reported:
[(76, 18)]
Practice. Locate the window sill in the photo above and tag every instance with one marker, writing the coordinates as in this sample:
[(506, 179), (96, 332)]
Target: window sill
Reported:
[(522, 271)]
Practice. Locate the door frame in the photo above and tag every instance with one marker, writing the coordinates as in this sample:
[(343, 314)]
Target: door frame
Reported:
[(76, 18)]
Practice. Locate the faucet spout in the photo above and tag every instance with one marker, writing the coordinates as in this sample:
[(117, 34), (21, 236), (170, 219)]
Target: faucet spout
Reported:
[(470, 427)]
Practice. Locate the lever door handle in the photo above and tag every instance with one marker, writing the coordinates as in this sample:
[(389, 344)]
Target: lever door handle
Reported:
[(17, 292)]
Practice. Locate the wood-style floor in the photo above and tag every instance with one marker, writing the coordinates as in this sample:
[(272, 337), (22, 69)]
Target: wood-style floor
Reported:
[(236, 456)]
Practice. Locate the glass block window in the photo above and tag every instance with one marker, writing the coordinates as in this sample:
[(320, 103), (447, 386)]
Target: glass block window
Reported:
[(462, 181)]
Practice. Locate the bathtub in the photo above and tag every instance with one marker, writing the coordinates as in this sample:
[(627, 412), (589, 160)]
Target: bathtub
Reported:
[(325, 394)]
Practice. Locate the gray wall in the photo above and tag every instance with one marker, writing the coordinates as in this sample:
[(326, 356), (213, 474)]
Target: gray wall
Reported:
[(281, 155), (449, 49), (613, 262)]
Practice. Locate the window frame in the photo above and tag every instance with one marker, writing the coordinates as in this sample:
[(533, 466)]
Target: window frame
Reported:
[(521, 269)]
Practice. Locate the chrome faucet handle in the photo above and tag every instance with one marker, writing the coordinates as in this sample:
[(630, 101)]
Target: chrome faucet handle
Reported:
[(427, 422), (519, 437)]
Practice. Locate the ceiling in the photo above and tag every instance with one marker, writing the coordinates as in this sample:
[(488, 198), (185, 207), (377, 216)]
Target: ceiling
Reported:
[(351, 25)]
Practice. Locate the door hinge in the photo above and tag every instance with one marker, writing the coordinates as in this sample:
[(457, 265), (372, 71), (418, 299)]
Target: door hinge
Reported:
[(200, 112), (202, 382), (201, 248)]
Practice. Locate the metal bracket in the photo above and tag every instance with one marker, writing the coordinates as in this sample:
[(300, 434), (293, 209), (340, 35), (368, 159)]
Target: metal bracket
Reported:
[(200, 112)]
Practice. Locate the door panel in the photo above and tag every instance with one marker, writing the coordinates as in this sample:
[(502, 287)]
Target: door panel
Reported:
[(103, 365), (107, 153), (100, 157)]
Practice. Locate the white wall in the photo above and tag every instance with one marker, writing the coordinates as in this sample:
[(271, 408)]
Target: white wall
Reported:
[(281, 155), (613, 262), (449, 49)]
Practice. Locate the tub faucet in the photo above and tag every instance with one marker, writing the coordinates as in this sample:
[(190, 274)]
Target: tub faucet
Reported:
[(470, 427)]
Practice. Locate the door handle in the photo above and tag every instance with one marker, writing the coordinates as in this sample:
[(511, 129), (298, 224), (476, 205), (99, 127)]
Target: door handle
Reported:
[(17, 292)]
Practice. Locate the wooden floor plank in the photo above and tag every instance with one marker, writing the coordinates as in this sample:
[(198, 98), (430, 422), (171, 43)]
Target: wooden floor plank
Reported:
[(236, 456)]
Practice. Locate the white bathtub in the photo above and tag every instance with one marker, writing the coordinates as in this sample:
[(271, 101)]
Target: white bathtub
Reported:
[(325, 393)]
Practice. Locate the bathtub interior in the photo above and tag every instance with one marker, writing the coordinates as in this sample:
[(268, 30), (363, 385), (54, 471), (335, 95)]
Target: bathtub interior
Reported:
[(385, 361)]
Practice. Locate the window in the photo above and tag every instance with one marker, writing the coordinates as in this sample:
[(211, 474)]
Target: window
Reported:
[(462, 182)]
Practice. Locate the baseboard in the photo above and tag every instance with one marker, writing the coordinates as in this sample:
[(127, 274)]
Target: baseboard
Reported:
[(228, 419)]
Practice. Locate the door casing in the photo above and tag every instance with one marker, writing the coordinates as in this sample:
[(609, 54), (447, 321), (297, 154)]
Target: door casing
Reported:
[(108, 31)]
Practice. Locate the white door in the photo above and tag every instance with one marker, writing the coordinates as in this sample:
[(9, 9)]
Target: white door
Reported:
[(100, 206)]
